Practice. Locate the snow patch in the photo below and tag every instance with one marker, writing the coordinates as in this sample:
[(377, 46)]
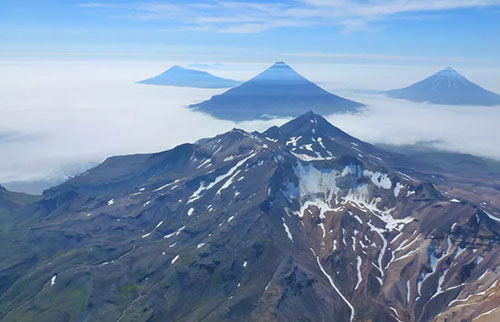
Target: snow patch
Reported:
[(397, 189), (492, 217), (322, 226), (165, 186), (53, 280), (379, 179), (287, 230), (293, 141), (207, 161), (196, 194), (360, 277), (334, 286), (175, 233)]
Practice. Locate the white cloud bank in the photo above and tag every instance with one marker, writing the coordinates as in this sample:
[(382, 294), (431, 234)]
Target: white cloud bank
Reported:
[(467, 129), (57, 118)]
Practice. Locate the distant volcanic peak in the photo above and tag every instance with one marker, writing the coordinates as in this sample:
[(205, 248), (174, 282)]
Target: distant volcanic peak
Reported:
[(447, 87), (184, 77), (446, 81), (279, 91), (177, 67), (280, 65), (450, 73), (183, 70), (447, 72), (280, 73), (179, 71)]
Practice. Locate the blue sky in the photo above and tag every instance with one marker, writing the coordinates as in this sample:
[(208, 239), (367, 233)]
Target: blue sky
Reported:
[(395, 31)]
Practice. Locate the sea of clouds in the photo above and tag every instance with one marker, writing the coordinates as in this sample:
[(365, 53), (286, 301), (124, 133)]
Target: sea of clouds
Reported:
[(59, 118)]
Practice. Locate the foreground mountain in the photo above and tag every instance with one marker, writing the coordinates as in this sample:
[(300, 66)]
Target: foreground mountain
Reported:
[(300, 223), (447, 87), (183, 77), (279, 91)]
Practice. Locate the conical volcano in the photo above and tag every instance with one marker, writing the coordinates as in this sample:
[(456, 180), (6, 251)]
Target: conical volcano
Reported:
[(279, 91), (447, 87), (183, 77)]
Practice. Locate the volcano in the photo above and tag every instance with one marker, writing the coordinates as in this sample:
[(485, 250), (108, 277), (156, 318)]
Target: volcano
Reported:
[(447, 87), (279, 91), (183, 77)]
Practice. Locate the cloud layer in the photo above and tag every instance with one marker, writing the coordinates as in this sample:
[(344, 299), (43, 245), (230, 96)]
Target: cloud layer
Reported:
[(59, 118)]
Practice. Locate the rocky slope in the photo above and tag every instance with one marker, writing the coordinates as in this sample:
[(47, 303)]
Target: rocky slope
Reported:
[(299, 223)]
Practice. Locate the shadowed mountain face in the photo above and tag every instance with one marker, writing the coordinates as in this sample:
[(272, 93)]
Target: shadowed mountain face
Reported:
[(300, 223), (10, 201), (447, 87), (179, 76), (277, 92)]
